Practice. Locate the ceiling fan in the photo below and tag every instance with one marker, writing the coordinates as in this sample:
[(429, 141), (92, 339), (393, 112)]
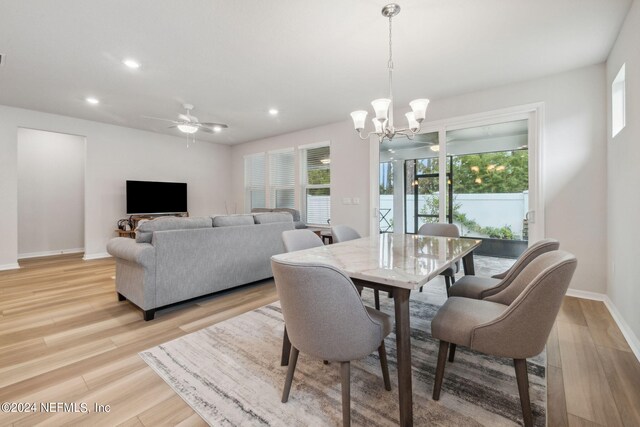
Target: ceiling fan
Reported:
[(189, 124)]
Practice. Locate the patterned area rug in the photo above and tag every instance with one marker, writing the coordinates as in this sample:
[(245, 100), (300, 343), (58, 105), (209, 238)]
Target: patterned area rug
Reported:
[(230, 374)]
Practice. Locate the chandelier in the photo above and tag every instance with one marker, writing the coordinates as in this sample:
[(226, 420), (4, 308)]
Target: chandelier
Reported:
[(383, 107)]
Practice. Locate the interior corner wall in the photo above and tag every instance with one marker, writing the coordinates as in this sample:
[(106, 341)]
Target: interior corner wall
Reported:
[(349, 169), (574, 162), (113, 155), (50, 193), (623, 176)]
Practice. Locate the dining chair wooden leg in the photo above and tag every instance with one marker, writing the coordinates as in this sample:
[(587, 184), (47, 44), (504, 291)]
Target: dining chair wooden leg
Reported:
[(293, 359), (286, 348), (452, 352), (345, 375), (376, 297), (447, 283), (523, 389), (382, 352), (442, 360)]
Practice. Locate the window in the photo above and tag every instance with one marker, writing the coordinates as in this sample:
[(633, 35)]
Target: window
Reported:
[(316, 184), (618, 102), (254, 182), (281, 179)]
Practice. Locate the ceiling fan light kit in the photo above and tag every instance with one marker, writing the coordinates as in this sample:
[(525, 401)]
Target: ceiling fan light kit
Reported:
[(383, 107), (189, 124)]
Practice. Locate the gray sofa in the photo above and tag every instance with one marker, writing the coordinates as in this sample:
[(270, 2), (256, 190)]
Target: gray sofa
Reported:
[(297, 221), (177, 259)]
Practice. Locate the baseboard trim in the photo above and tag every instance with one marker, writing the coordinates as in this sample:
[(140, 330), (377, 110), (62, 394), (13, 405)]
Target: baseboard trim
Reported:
[(586, 294), (89, 257), (13, 266), (50, 253), (626, 330)]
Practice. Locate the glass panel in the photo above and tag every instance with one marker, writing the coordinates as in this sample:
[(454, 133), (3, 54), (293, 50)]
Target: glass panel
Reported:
[(386, 197), (318, 202), (490, 180), (317, 189), (402, 161)]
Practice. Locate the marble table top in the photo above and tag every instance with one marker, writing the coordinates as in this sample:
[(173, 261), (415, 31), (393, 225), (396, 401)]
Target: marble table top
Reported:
[(403, 260)]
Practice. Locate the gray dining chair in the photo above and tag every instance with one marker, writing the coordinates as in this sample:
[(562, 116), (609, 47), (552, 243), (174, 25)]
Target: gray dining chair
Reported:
[(442, 229), (344, 233), (513, 323), (326, 319), (478, 287), (296, 240)]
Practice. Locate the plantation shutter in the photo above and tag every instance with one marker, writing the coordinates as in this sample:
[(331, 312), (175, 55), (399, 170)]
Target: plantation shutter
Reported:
[(282, 179), (254, 181)]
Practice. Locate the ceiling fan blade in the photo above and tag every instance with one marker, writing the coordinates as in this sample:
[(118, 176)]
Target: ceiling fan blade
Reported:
[(211, 125), (159, 118), (205, 129)]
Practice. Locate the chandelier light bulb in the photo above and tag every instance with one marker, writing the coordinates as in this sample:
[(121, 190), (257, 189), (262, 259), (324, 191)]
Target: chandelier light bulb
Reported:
[(413, 124), (419, 108), (359, 118), (381, 107), (377, 125)]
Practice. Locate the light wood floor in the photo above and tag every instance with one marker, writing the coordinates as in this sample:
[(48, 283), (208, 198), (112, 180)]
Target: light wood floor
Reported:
[(65, 338)]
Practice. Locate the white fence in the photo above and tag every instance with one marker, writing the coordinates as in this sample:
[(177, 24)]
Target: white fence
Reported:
[(488, 210)]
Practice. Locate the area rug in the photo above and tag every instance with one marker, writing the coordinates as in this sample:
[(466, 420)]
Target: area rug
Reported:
[(230, 374)]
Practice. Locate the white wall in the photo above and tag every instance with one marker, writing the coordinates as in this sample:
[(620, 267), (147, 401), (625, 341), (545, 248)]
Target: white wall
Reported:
[(113, 155), (50, 193), (623, 154), (574, 160), (349, 169)]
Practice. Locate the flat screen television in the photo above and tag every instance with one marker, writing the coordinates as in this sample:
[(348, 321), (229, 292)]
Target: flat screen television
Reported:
[(149, 197)]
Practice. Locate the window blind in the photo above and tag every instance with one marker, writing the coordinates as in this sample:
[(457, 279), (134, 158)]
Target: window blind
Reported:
[(282, 179), (254, 181), (317, 185)]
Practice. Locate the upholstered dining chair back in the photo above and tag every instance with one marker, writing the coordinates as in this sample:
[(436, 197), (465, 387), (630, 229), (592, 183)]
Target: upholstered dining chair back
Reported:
[(534, 298), (532, 252), (343, 233), (297, 240), (323, 312), (440, 229)]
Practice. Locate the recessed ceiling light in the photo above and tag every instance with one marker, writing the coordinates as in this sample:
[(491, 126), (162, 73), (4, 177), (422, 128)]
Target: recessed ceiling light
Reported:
[(92, 100), (217, 128), (273, 111), (133, 64)]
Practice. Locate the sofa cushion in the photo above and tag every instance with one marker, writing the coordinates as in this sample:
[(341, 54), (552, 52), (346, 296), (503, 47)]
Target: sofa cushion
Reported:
[(268, 218), (294, 212), (232, 220), (145, 230)]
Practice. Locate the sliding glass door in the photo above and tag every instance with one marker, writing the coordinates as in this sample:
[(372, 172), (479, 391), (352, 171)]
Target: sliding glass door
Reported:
[(477, 179)]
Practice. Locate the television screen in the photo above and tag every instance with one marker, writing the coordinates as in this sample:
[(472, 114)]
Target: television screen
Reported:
[(148, 197)]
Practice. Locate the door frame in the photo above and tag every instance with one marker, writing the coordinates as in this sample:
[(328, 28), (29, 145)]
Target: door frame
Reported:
[(534, 113)]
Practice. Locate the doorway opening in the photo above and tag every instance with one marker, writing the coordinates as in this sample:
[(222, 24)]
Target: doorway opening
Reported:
[(50, 193)]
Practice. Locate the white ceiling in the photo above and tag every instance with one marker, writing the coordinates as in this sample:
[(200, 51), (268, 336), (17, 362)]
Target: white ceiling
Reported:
[(315, 61)]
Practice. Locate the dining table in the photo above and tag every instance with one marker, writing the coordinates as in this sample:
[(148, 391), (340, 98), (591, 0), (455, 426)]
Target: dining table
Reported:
[(398, 264)]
